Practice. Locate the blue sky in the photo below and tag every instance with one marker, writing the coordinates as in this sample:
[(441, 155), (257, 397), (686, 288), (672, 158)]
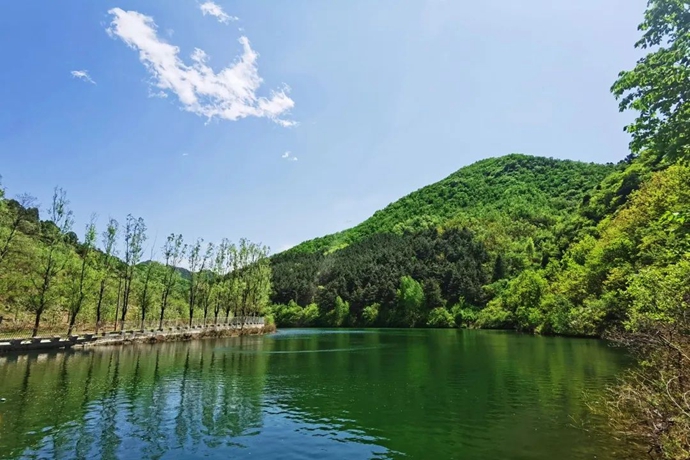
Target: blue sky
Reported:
[(375, 99)]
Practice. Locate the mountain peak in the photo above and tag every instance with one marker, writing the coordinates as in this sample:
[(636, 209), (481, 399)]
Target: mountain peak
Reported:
[(512, 184)]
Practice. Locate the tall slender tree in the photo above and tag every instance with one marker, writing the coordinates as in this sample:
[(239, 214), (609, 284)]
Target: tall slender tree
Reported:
[(135, 236), (50, 262), (231, 282), (258, 275), (254, 273), (118, 302), (206, 278), (108, 260), (193, 258), (145, 296), (220, 273), (173, 251), (79, 288)]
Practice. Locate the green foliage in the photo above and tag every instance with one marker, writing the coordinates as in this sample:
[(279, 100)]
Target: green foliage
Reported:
[(659, 85), (448, 264), (370, 314), (490, 221), (340, 312), (523, 299), (269, 320), (659, 294), (310, 315), (410, 298), (495, 317), (649, 404), (596, 274), (464, 315), (293, 315), (440, 317), (287, 315), (526, 190), (51, 281)]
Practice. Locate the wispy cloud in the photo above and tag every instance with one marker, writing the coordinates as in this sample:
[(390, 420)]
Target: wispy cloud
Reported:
[(83, 75), (216, 11), (288, 156), (230, 94), (158, 94)]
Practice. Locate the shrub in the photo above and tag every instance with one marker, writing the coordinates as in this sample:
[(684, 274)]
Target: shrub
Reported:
[(287, 315), (440, 317), (370, 314), (494, 317), (464, 315), (310, 315)]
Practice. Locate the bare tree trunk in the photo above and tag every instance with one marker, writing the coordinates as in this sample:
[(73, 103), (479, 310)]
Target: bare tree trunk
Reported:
[(191, 300), (117, 305), (37, 321), (42, 295), (125, 302), (163, 305), (72, 320), (101, 292)]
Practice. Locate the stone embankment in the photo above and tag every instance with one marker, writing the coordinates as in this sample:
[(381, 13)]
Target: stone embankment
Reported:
[(235, 327)]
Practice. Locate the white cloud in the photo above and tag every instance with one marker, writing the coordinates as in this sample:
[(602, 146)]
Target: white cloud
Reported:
[(216, 11), (286, 123), (159, 94), (289, 156), (185, 154), (82, 75), (229, 94)]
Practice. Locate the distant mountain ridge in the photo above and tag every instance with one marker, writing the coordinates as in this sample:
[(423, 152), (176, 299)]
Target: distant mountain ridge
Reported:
[(184, 273), (514, 184)]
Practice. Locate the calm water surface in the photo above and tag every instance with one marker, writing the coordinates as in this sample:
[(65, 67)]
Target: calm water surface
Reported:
[(313, 394)]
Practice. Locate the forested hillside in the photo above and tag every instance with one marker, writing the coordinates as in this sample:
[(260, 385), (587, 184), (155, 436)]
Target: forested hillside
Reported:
[(52, 281), (530, 189), (485, 223)]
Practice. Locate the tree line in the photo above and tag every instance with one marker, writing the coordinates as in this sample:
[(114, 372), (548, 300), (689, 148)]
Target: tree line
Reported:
[(51, 279), (405, 280)]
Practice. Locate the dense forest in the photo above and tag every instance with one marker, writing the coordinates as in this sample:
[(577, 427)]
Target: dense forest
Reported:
[(54, 282), (460, 240)]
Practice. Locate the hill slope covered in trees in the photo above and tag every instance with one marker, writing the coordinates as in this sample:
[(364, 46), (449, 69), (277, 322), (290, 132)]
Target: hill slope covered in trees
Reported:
[(51, 282), (450, 242), (522, 187)]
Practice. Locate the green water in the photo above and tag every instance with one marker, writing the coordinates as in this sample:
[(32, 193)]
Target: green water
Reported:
[(313, 394)]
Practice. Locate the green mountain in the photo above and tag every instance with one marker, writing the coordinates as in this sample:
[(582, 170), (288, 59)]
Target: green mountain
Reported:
[(450, 247), (532, 189), (184, 273)]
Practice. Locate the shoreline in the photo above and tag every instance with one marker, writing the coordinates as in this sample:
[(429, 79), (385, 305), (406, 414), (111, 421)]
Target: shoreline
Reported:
[(184, 335), (255, 326)]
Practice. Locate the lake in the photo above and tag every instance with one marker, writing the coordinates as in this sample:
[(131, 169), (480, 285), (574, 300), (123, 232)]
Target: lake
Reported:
[(313, 394)]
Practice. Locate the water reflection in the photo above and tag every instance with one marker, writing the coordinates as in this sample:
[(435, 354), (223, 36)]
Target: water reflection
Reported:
[(311, 394), (195, 399)]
